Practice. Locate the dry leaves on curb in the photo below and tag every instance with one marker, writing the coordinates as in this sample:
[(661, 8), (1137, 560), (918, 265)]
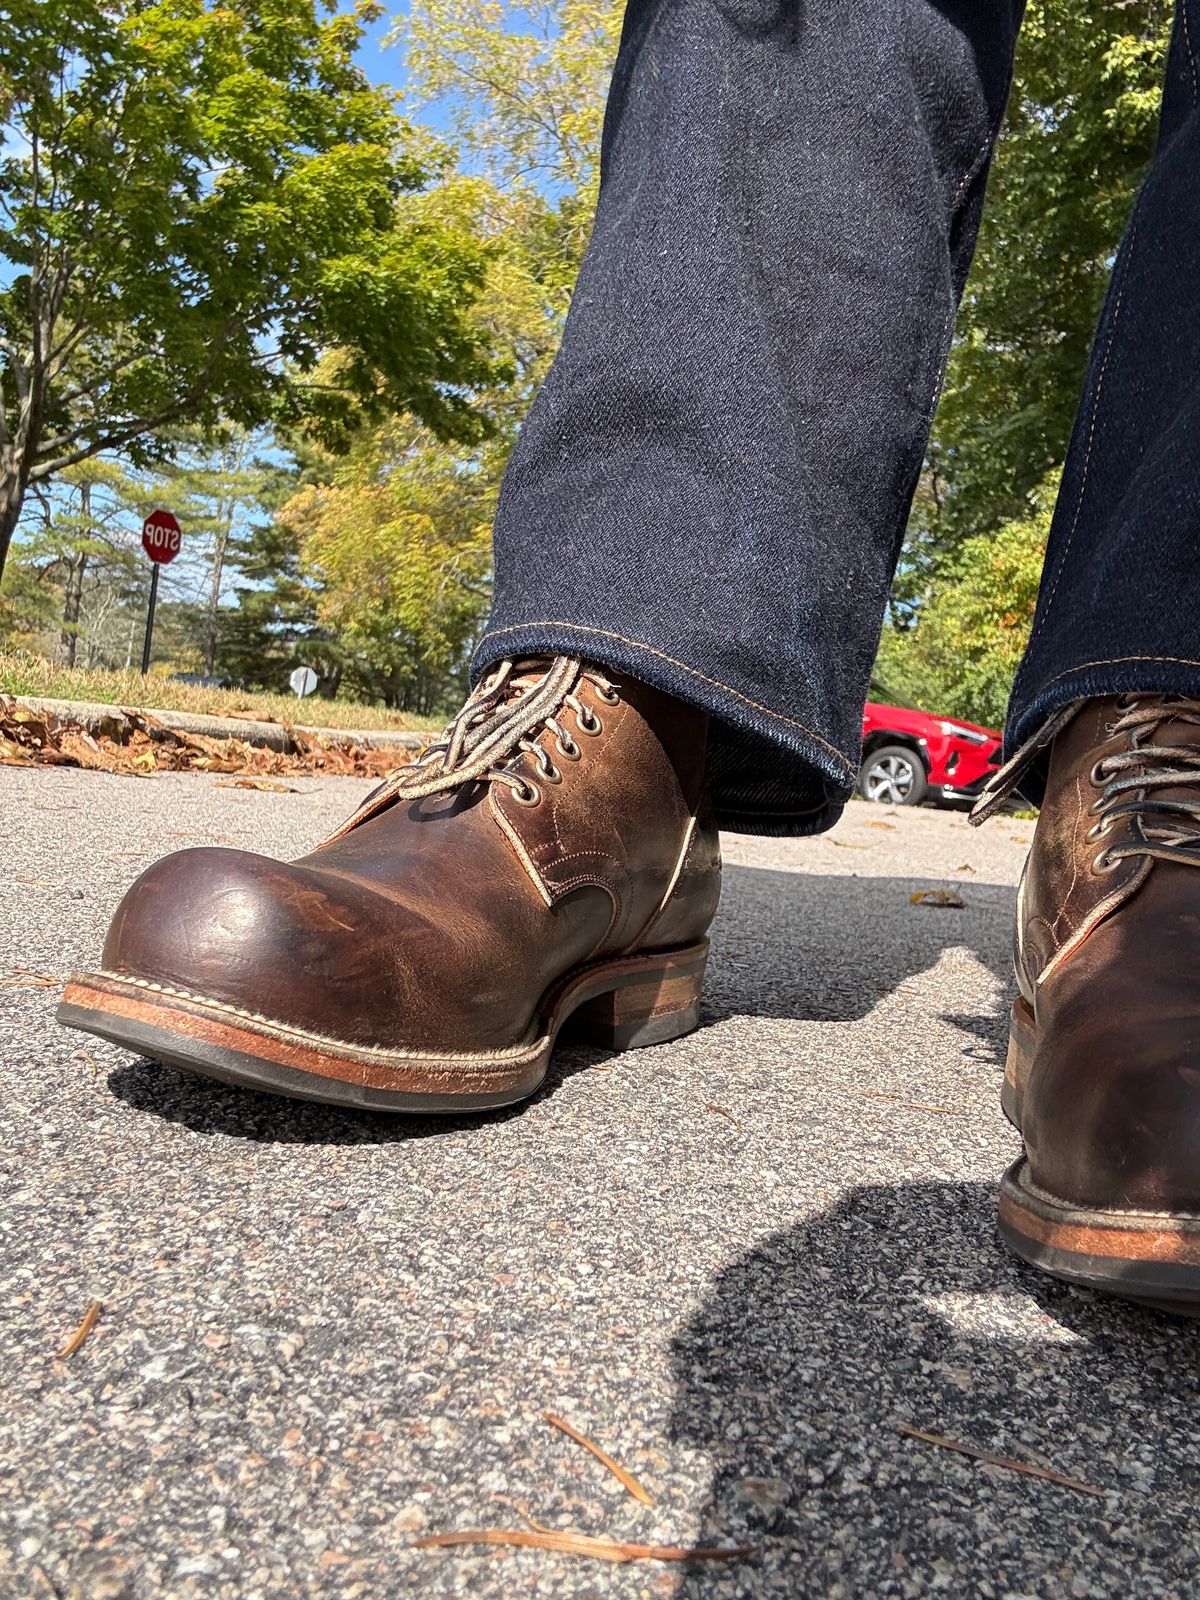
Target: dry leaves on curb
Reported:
[(141, 744), (623, 1476), (1010, 1463), (570, 1543), (943, 899), (82, 1333)]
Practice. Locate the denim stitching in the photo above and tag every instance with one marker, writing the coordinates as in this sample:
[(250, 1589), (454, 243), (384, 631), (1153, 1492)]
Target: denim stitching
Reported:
[(973, 170), (1187, 43), (1060, 567), (1111, 661), (637, 644)]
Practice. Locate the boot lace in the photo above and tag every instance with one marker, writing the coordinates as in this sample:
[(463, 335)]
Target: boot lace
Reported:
[(500, 723), (1146, 782)]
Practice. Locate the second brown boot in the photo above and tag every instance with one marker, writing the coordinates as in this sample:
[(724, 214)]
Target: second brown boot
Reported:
[(1103, 1077), (550, 860)]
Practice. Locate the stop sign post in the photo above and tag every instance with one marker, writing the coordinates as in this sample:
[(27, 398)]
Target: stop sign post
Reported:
[(161, 538)]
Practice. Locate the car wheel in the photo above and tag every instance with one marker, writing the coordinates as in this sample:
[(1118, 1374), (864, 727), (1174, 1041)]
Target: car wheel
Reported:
[(893, 776)]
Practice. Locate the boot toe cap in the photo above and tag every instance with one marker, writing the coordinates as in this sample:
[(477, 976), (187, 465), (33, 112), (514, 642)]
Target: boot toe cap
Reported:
[(239, 928)]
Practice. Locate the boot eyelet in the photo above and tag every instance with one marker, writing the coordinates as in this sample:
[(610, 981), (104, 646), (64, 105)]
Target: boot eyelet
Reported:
[(1104, 863), (589, 722), (608, 697), (1099, 830), (530, 796), (569, 751), (548, 772), (1095, 777)]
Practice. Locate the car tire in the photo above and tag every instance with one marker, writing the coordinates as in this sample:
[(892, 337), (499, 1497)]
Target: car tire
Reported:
[(893, 775)]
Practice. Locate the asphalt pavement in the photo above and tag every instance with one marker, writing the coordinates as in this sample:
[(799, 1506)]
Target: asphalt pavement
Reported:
[(741, 1263)]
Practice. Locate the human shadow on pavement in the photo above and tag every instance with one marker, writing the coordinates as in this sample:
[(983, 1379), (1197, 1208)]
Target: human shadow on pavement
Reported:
[(786, 945), (899, 1305), (831, 948)]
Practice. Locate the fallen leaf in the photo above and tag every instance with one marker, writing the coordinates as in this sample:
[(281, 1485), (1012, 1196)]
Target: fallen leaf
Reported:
[(721, 1111), (913, 1105), (868, 822), (966, 867), (625, 1478), (256, 783), (945, 899), (27, 978), (844, 844), (15, 754), (584, 1544), (79, 1338), (1008, 1462)]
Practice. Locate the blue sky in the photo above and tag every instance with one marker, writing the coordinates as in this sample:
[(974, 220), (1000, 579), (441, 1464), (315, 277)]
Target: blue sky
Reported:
[(382, 66)]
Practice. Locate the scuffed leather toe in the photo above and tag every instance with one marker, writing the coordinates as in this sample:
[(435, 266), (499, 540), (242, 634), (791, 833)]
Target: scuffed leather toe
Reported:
[(260, 935)]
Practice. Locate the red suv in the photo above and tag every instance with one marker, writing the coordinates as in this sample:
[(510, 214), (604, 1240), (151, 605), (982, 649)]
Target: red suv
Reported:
[(910, 756)]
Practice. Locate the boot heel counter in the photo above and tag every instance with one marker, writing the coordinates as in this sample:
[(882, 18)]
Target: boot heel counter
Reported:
[(690, 904)]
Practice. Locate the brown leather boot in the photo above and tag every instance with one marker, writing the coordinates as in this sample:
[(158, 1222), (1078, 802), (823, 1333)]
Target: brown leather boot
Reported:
[(1103, 1078), (550, 858)]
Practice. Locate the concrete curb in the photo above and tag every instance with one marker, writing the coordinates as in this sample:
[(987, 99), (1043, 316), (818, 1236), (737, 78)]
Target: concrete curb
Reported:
[(111, 721)]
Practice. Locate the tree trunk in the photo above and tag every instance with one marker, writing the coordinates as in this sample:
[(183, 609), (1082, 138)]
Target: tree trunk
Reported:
[(68, 645), (72, 605), (220, 548), (12, 498)]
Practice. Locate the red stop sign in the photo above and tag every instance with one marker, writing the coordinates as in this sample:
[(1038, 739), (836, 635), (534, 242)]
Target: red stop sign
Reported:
[(161, 536)]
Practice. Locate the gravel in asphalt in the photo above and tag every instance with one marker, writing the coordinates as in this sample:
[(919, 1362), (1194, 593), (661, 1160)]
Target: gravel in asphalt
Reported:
[(738, 1262)]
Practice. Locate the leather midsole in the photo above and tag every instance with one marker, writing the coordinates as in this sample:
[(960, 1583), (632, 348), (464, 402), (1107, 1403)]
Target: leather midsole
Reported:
[(1097, 1234), (212, 1022)]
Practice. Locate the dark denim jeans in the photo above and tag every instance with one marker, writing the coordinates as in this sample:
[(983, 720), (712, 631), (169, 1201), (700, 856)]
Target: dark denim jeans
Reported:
[(711, 488)]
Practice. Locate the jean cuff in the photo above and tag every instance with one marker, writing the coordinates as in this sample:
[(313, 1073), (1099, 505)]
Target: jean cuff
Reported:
[(768, 773)]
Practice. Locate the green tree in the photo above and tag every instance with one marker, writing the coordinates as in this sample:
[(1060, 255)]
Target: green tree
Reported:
[(197, 201), (398, 550), (1079, 131), (78, 563), (215, 486), (964, 650), (524, 87), (274, 626)]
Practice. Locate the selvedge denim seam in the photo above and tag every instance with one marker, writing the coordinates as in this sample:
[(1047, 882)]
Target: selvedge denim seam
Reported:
[(975, 168), (1061, 565), (1187, 46), (637, 644)]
